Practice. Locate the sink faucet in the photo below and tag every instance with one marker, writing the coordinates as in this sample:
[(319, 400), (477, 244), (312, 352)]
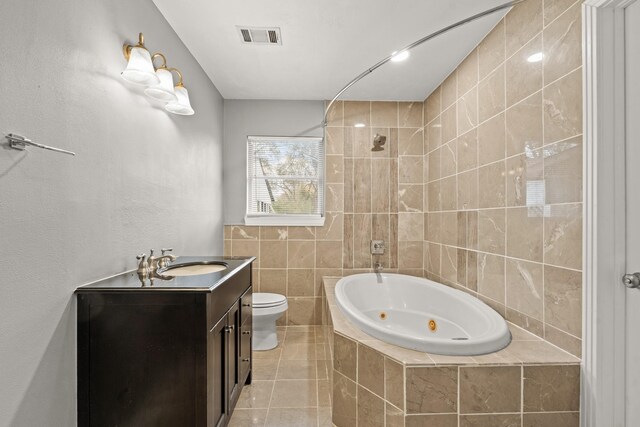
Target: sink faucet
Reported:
[(148, 266), (164, 260)]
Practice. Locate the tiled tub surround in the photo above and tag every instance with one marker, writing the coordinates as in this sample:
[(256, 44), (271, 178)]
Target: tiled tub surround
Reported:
[(531, 383), (503, 172)]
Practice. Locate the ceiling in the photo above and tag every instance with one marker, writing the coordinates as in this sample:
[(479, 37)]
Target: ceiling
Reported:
[(325, 44)]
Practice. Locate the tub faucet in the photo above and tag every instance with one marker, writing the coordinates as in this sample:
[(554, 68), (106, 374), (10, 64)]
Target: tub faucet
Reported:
[(378, 267)]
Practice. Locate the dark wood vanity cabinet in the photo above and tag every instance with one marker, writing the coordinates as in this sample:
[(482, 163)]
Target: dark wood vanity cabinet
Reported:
[(166, 358), (230, 349)]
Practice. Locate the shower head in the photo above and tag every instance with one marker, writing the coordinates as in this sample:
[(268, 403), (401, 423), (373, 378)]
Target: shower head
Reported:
[(378, 142)]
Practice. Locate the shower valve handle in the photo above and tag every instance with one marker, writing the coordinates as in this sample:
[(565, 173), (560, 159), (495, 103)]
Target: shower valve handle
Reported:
[(631, 281), (377, 247)]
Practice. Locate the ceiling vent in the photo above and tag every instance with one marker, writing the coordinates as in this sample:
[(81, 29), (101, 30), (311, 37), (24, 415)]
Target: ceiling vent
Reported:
[(260, 35)]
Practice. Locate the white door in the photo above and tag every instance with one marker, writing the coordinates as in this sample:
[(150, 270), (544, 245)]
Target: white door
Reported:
[(632, 99)]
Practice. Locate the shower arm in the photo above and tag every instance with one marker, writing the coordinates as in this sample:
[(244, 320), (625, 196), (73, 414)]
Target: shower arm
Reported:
[(414, 44)]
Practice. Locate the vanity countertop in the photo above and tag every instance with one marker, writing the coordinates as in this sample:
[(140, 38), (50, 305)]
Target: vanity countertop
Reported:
[(130, 281)]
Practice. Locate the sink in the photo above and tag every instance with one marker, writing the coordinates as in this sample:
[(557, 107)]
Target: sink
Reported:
[(193, 269)]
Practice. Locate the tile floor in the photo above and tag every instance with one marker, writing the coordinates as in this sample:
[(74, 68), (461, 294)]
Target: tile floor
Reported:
[(290, 385)]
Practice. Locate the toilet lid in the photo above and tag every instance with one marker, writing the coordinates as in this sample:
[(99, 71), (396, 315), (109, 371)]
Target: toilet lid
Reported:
[(263, 299)]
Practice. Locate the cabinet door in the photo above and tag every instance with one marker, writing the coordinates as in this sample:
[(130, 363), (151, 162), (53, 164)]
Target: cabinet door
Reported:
[(217, 361), (233, 354)]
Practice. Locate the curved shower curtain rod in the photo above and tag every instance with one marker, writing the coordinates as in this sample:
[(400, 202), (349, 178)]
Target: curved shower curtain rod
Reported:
[(414, 44)]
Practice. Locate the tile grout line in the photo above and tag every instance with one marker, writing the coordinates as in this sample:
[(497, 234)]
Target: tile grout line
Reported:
[(504, 284), (543, 231), (521, 394)]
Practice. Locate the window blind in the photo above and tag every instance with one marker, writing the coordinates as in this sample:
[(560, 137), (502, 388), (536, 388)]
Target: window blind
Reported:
[(285, 176)]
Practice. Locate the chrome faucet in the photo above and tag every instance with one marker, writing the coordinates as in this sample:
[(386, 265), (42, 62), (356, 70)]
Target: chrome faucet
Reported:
[(164, 260), (147, 267), (378, 267)]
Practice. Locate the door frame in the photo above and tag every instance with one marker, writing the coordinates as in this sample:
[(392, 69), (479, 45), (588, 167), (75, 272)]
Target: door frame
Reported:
[(603, 356)]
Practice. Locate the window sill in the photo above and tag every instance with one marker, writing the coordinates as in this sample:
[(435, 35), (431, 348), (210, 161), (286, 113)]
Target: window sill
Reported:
[(289, 220)]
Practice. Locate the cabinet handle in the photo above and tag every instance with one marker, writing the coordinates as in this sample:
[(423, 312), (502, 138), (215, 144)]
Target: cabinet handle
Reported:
[(246, 360), (229, 328), (246, 305), (246, 332)]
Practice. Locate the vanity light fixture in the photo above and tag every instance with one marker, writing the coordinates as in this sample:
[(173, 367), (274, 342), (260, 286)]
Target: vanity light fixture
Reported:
[(159, 80)]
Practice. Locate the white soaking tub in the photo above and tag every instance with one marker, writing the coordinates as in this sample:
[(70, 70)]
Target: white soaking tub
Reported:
[(420, 314)]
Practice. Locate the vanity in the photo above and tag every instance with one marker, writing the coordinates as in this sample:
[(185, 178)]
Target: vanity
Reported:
[(165, 351)]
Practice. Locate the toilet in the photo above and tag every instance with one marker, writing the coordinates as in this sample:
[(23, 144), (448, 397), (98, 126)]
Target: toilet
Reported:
[(267, 308)]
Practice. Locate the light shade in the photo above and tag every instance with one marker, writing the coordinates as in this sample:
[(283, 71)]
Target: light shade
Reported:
[(182, 106), (164, 90), (140, 68)]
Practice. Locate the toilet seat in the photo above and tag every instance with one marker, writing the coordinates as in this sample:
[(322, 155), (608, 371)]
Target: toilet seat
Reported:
[(268, 300)]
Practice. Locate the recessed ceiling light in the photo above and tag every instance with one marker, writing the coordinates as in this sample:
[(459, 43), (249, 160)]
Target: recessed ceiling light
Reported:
[(536, 57), (399, 56), (359, 125)]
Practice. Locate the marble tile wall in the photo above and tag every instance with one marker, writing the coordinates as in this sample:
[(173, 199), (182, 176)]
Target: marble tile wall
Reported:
[(503, 180), (382, 192), (289, 261)]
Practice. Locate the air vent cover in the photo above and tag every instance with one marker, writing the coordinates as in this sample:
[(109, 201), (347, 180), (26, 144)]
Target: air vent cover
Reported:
[(260, 35)]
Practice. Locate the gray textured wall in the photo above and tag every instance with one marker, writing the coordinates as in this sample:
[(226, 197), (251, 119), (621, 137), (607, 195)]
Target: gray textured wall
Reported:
[(142, 178), (259, 118)]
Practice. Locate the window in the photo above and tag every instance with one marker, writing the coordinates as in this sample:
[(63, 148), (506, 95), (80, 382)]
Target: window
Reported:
[(285, 181)]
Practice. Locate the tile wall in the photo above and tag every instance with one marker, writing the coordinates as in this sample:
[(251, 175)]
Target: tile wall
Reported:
[(503, 156), (291, 261)]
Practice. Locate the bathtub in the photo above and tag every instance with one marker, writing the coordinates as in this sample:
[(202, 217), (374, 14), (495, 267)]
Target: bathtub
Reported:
[(420, 314)]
